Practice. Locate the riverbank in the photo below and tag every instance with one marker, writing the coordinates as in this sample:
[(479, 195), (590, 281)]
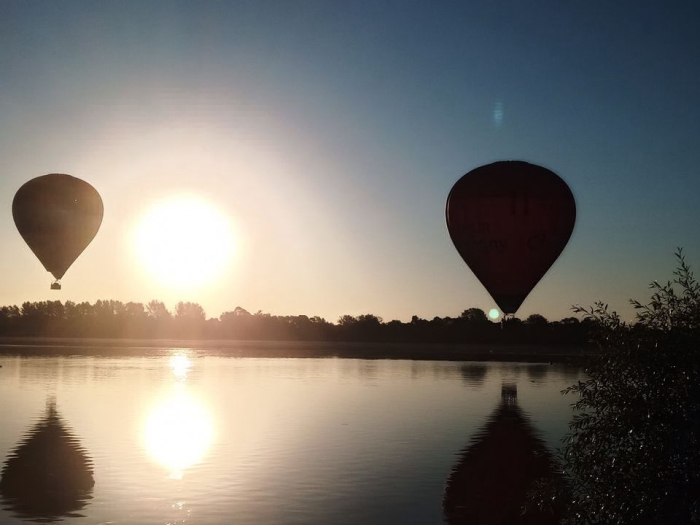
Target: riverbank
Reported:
[(527, 353)]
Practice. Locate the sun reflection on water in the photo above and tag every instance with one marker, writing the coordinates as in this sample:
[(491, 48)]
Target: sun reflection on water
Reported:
[(178, 430), (180, 365)]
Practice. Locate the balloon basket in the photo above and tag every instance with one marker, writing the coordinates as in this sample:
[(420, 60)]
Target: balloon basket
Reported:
[(55, 285)]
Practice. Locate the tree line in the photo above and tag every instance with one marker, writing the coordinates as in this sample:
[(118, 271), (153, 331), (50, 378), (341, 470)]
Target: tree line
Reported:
[(115, 319)]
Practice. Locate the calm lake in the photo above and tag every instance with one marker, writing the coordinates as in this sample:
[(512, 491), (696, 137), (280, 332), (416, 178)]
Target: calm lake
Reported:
[(196, 437)]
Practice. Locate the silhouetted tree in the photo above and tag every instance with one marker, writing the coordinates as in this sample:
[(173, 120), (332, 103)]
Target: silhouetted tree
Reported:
[(633, 454), (570, 321), (368, 328), (536, 320), (159, 319), (10, 317), (320, 328), (474, 316), (158, 311), (115, 319), (189, 320), (236, 324)]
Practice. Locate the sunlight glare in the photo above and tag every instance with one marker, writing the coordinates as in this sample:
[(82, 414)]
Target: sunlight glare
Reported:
[(180, 365), (178, 432), (185, 242), (494, 314)]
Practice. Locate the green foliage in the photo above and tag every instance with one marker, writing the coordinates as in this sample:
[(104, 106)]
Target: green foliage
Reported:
[(633, 453)]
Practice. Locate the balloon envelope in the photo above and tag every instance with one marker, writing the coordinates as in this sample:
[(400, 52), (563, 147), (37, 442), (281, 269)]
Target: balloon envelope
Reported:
[(510, 221), (57, 216)]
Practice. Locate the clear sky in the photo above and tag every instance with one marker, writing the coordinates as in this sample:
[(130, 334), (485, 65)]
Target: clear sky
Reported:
[(330, 133)]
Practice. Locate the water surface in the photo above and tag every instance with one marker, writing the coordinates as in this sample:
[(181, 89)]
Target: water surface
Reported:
[(194, 437)]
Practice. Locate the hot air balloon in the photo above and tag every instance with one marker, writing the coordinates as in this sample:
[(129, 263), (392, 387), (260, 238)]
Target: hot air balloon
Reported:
[(509, 221), (57, 215)]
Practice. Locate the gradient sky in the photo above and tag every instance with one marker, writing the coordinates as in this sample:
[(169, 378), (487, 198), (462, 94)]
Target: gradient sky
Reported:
[(332, 132)]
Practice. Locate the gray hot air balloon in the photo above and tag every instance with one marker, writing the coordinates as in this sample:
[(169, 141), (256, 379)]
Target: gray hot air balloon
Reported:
[(57, 215)]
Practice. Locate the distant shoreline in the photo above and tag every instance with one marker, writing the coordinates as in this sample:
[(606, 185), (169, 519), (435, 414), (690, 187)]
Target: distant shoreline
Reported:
[(529, 353)]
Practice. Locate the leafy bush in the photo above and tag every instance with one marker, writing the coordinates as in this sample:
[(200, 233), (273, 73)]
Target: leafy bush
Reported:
[(633, 452)]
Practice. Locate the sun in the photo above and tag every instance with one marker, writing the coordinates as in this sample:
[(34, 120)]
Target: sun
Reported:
[(185, 242)]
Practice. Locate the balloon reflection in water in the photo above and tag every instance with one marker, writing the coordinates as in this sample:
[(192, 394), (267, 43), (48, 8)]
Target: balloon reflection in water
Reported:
[(49, 475), (179, 429), (502, 463)]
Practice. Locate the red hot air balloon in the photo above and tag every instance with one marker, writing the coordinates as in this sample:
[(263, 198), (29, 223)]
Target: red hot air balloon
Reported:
[(510, 221), (57, 216)]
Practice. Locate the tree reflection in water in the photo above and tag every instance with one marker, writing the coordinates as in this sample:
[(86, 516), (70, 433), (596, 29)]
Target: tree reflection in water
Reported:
[(489, 483), (537, 373), (49, 475), (474, 373)]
